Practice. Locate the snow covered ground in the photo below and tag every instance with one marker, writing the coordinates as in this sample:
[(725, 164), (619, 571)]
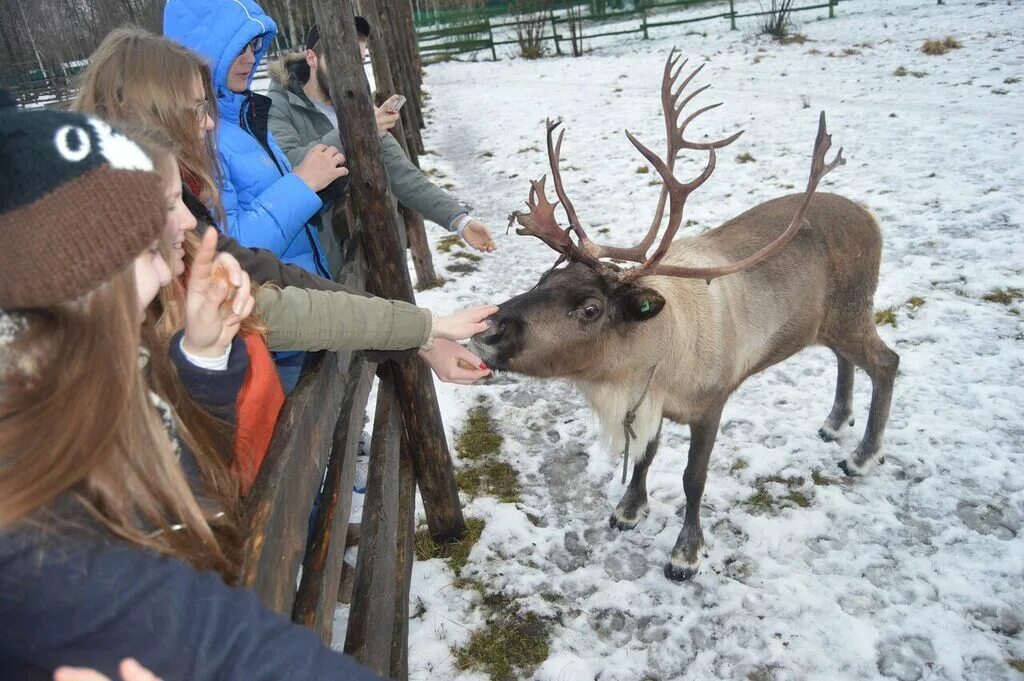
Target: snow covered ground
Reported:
[(913, 572)]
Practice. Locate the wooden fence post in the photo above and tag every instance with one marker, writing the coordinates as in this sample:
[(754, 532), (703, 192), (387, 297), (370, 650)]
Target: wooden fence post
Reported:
[(643, 17), (382, 34), (554, 31), (387, 273), (732, 15), (372, 617)]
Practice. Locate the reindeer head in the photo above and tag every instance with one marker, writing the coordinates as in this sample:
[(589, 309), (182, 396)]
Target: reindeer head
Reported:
[(580, 315)]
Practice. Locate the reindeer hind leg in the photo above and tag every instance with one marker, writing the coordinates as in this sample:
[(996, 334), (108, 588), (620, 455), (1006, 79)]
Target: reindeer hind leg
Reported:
[(842, 408), (881, 363)]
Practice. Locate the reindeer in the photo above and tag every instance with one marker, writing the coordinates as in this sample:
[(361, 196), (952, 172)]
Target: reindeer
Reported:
[(676, 333)]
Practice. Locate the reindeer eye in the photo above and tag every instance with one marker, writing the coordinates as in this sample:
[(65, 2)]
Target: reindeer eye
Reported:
[(591, 311)]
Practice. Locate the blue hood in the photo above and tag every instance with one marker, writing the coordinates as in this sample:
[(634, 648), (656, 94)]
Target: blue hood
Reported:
[(218, 30)]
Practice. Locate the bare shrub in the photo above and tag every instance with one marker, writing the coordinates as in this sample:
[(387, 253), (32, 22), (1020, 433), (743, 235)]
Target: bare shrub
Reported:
[(530, 18), (779, 21), (942, 46)]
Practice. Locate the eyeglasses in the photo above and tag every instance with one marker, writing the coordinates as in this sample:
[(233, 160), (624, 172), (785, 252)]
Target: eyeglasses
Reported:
[(203, 109), (256, 44)]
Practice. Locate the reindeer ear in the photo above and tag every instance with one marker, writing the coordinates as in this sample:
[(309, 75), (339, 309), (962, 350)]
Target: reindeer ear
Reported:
[(636, 304)]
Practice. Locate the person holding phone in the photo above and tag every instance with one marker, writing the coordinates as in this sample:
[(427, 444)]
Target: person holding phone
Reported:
[(302, 116)]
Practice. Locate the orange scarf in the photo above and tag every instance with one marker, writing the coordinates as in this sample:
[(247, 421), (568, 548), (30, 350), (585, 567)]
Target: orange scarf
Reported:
[(259, 402)]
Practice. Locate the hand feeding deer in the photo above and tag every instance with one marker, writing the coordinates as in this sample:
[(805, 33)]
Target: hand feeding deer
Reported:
[(660, 340)]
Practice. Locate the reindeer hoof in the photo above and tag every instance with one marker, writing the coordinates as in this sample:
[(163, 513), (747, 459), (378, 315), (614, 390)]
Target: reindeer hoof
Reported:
[(827, 434), (620, 520), (680, 573), (847, 470)]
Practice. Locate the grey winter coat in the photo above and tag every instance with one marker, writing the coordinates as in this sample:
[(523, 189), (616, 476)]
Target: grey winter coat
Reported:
[(297, 126)]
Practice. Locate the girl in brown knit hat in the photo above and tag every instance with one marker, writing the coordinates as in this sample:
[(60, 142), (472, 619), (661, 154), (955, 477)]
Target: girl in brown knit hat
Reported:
[(113, 526)]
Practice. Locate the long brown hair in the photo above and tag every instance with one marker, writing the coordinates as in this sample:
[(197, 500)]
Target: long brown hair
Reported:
[(137, 76), (115, 462)]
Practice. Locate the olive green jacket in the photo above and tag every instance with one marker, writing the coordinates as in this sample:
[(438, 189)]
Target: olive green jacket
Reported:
[(304, 319)]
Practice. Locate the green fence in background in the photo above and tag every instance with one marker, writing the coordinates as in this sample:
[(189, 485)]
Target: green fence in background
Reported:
[(445, 33)]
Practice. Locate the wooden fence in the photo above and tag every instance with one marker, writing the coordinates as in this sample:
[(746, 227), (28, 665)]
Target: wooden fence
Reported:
[(474, 31)]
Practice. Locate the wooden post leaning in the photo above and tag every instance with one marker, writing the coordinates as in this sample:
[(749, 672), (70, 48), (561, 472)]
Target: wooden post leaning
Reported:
[(387, 273), (377, 13)]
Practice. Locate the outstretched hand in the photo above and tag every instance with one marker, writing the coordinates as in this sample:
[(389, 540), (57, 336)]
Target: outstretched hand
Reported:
[(218, 298), (479, 237), (130, 671), (463, 324), (385, 119), (453, 363)]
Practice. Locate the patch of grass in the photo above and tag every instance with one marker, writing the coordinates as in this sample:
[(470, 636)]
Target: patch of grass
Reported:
[(419, 609), (886, 316), (762, 674), (738, 465), (915, 302), (479, 438), (1000, 91), (446, 243), (525, 150), (642, 170), (653, 182), (433, 172), (483, 472), (493, 478), (757, 59), (760, 501), (798, 498), (466, 255), (941, 46), (462, 267), (1017, 664), (511, 645), (455, 553), (822, 480), (794, 39), (850, 52), (745, 157), (487, 154), (902, 71), (1010, 81), (1004, 296), (795, 481)]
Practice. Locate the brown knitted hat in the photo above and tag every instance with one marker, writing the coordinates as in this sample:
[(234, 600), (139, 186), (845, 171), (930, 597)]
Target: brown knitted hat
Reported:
[(79, 202)]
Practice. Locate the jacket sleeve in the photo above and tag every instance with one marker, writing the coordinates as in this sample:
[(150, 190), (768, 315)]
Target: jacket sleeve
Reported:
[(286, 134), (275, 217), (89, 603), (264, 267), (300, 319), (414, 190), (215, 391)]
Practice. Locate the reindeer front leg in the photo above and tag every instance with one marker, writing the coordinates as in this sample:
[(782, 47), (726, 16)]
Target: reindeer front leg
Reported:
[(686, 553), (633, 505)]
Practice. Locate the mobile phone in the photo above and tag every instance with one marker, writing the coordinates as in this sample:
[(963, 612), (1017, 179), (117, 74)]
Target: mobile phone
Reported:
[(394, 103)]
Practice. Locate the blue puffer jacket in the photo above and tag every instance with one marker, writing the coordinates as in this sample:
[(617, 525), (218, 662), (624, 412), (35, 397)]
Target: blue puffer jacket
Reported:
[(267, 206)]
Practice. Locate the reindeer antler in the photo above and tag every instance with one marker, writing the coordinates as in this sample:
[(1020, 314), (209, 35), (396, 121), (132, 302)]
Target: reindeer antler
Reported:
[(819, 168), (541, 223)]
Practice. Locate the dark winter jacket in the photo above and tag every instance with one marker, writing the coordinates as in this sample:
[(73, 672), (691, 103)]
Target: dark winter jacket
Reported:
[(84, 598), (266, 205)]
